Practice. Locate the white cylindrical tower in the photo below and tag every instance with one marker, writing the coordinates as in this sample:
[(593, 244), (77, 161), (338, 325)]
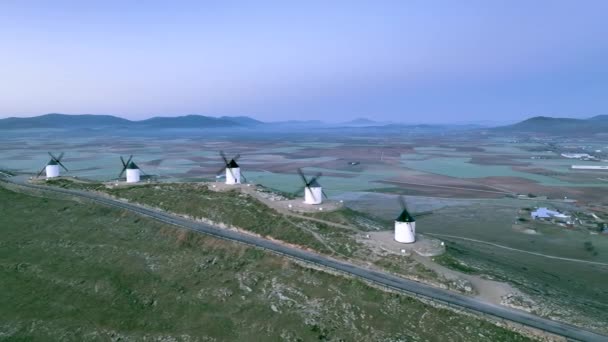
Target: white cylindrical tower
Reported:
[(133, 175), (313, 195), (405, 227), (233, 175), (133, 172), (405, 232), (52, 170)]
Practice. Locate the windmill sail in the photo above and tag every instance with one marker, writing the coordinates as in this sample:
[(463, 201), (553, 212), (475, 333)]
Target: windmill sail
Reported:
[(52, 166), (231, 167), (313, 193)]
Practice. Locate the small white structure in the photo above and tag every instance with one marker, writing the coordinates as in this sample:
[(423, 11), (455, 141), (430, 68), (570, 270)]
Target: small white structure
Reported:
[(575, 155), (233, 173), (313, 193), (544, 213), (133, 173), (590, 167), (405, 228), (52, 169)]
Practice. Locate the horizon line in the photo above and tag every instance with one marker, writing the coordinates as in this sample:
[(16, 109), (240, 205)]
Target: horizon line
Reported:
[(380, 121)]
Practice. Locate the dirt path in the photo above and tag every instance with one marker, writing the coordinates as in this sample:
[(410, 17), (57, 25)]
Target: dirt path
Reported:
[(317, 236), (275, 206), (487, 290)]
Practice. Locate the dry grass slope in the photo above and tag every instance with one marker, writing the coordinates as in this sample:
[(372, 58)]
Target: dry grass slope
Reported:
[(75, 272)]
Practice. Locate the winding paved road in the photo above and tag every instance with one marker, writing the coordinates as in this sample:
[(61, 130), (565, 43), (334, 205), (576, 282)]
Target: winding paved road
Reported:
[(384, 279)]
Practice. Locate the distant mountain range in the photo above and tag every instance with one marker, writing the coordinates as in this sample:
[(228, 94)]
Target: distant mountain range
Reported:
[(358, 122), (101, 121), (539, 124), (94, 121), (559, 126)]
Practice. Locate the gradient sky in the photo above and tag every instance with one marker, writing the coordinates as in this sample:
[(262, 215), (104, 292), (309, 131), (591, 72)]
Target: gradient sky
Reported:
[(409, 61)]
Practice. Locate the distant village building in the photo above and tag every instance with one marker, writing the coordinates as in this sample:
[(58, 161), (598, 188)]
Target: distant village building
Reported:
[(583, 156), (547, 214), (590, 167)]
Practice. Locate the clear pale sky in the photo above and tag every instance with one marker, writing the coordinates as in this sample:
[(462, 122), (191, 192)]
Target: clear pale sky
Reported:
[(410, 61)]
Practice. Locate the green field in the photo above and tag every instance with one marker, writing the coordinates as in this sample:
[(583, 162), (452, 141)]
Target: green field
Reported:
[(567, 291), (493, 221), (571, 291), (350, 217), (74, 271), (461, 167), (332, 185)]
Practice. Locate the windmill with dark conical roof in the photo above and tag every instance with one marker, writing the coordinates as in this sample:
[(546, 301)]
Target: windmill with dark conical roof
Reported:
[(313, 192), (405, 225), (133, 171), (52, 167), (233, 170)]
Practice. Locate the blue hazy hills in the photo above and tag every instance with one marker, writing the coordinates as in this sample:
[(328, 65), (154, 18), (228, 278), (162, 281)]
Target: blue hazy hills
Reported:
[(539, 124), (559, 126)]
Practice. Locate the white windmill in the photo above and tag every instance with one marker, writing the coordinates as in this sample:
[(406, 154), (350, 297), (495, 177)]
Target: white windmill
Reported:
[(52, 167), (133, 171), (313, 192), (405, 225), (233, 170)]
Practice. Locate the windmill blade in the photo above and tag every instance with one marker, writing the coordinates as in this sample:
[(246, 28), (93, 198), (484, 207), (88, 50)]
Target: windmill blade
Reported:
[(312, 193), (315, 177), (65, 168), (129, 160), (226, 162), (243, 176), (41, 171), (221, 170), (297, 192), (58, 160), (232, 173), (124, 167), (122, 172), (324, 194), (402, 202), (238, 155), (303, 178)]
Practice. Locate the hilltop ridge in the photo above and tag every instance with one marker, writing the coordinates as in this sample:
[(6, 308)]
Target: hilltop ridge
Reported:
[(56, 120), (552, 125)]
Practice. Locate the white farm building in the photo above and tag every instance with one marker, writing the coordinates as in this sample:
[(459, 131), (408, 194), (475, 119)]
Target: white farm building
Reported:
[(547, 214)]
